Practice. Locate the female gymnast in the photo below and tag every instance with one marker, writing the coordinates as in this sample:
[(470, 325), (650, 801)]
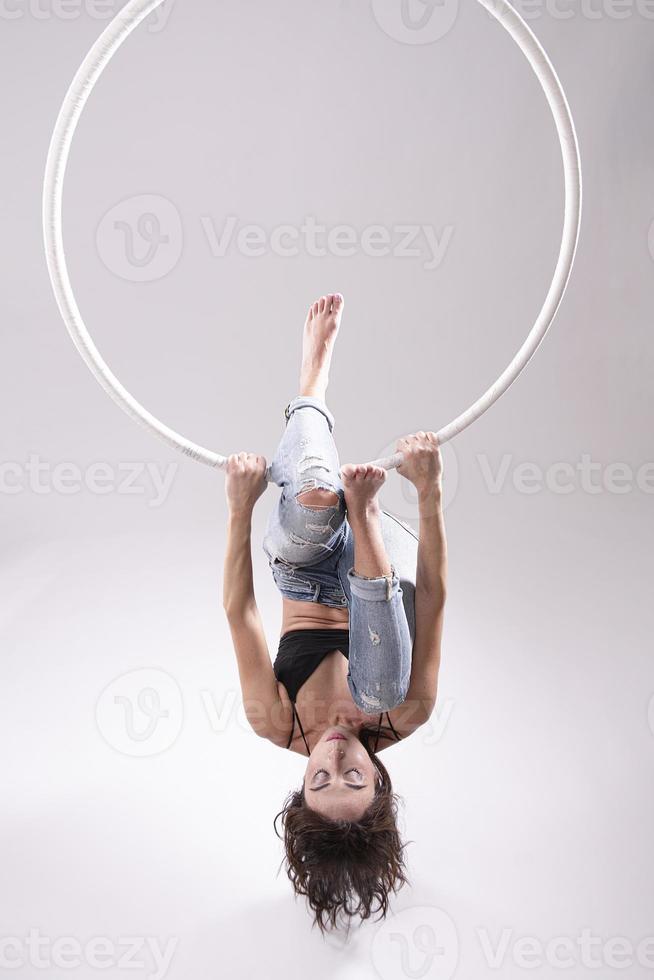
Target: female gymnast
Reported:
[(363, 600)]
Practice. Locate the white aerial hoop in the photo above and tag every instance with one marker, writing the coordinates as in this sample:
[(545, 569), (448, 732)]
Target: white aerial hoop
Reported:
[(77, 96)]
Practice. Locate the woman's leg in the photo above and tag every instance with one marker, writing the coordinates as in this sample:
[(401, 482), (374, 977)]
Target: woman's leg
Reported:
[(308, 523), (382, 616), (377, 570), (379, 671)]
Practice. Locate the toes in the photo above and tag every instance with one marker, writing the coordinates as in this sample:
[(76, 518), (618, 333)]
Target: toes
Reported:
[(310, 313), (329, 303)]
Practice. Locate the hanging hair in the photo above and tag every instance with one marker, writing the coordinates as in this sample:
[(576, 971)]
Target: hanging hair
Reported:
[(345, 868)]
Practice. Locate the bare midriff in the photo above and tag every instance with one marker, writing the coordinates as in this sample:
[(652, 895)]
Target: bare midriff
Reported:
[(324, 699), (302, 615)]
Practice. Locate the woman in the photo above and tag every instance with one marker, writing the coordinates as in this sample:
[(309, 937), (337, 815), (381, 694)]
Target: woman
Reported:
[(363, 601)]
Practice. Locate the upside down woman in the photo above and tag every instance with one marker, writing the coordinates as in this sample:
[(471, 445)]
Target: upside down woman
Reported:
[(359, 652)]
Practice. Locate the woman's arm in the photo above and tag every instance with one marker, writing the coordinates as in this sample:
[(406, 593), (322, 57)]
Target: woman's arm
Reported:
[(422, 466), (245, 481), (430, 593), (261, 700), (238, 582)]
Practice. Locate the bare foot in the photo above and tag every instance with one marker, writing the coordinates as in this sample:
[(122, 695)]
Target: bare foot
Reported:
[(320, 330), (362, 482)]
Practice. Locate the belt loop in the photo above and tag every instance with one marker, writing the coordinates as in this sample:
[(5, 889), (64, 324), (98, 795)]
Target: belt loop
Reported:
[(389, 582)]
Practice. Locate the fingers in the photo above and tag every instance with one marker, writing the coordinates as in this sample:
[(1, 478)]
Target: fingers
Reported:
[(360, 471), (244, 461), (417, 439)]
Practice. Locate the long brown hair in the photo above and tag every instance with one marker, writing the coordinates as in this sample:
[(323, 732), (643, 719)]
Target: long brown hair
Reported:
[(344, 867)]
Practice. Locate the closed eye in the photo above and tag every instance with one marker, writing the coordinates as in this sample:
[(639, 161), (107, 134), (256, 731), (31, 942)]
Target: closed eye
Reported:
[(351, 769), (316, 789)]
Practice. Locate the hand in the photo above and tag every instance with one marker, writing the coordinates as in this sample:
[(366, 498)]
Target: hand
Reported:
[(362, 482), (422, 464), (245, 481)]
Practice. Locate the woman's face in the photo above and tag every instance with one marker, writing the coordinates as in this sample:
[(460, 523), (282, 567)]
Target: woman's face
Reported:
[(340, 779)]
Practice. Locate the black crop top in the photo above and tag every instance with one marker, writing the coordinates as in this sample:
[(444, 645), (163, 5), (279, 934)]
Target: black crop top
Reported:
[(300, 653)]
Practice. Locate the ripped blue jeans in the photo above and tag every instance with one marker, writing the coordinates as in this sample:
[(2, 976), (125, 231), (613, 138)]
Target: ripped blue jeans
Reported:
[(310, 551)]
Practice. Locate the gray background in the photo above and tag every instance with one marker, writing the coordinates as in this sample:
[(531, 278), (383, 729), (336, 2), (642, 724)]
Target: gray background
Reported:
[(529, 800)]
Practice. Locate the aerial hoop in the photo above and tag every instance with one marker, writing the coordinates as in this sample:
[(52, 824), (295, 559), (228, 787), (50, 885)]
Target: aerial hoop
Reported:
[(83, 84)]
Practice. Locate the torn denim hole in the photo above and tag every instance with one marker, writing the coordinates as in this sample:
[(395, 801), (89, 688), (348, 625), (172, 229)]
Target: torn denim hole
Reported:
[(308, 461), (371, 702), (305, 544), (322, 528), (314, 483), (375, 638)]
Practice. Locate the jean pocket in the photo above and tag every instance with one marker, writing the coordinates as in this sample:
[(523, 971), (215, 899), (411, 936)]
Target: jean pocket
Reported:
[(333, 597), (286, 577)]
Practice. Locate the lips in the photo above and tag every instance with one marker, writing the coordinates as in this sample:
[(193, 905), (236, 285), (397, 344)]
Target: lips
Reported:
[(336, 735)]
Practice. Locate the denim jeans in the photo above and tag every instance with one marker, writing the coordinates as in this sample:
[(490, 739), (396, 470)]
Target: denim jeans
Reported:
[(310, 552)]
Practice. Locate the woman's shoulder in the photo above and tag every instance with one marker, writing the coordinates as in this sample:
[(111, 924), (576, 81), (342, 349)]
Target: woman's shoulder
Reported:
[(279, 722)]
